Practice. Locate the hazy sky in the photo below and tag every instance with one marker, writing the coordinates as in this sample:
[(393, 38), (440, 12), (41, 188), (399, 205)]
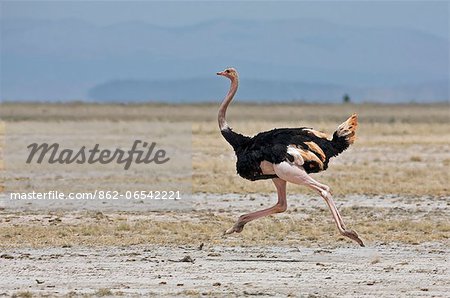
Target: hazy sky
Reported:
[(428, 16), (64, 49)]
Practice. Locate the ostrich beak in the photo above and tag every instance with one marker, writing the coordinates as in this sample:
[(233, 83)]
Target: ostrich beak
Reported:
[(220, 73)]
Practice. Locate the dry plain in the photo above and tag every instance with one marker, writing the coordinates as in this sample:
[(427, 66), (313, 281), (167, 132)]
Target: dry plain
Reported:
[(392, 186)]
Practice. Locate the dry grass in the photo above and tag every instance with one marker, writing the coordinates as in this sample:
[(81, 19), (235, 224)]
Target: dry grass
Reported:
[(103, 292), (23, 294), (374, 225), (400, 149), (301, 113), (398, 146)]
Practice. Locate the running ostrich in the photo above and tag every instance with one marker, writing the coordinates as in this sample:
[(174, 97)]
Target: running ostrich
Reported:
[(285, 155)]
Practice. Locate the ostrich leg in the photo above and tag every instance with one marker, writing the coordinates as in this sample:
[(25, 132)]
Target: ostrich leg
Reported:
[(279, 207), (297, 175)]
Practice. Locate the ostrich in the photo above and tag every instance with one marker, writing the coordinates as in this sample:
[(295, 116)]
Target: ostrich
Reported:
[(285, 155)]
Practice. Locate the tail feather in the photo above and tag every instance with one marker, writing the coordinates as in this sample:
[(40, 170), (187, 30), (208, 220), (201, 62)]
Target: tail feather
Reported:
[(345, 134), (348, 129)]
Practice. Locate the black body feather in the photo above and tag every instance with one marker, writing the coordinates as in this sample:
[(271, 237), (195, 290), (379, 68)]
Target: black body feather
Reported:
[(272, 147)]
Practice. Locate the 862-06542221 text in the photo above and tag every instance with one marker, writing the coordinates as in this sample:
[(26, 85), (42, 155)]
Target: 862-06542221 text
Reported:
[(98, 195)]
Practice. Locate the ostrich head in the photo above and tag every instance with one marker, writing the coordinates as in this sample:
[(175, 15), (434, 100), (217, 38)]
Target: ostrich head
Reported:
[(230, 73)]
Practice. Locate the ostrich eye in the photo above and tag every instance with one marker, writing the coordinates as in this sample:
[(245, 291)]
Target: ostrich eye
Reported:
[(227, 71)]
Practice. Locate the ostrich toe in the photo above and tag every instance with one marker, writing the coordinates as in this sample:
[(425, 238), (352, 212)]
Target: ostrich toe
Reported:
[(237, 228), (354, 236)]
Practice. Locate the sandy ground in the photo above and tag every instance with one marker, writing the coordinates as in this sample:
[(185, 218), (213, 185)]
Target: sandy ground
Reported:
[(341, 269), (382, 270)]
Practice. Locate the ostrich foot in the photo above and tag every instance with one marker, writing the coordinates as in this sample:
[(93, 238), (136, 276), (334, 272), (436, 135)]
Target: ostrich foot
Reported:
[(354, 236), (237, 228)]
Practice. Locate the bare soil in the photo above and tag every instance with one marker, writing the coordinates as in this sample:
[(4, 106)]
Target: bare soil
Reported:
[(393, 270), (98, 249)]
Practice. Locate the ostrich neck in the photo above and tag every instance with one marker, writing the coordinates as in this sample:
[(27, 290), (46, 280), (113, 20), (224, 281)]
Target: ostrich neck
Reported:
[(223, 107)]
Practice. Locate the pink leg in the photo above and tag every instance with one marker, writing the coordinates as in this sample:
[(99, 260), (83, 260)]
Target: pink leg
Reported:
[(279, 207), (297, 175)]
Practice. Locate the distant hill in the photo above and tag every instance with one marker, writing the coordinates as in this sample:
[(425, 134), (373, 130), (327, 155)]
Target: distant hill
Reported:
[(284, 60), (201, 90), (205, 90)]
